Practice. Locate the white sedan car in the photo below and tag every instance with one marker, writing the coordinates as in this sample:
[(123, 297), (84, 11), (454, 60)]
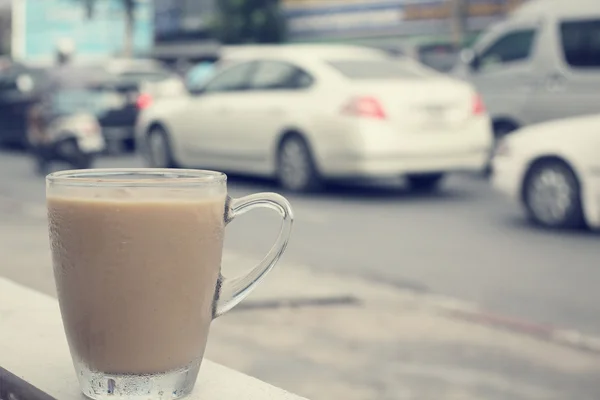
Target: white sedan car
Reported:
[(301, 116), (553, 169)]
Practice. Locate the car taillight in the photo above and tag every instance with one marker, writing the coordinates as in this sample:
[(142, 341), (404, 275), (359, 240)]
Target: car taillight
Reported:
[(143, 101), (478, 105), (367, 107)]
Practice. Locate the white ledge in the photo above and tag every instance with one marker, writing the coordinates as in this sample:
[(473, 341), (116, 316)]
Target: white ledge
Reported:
[(33, 348)]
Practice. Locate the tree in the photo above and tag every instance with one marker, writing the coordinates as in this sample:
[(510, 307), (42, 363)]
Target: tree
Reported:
[(5, 30), (249, 21), (459, 13), (129, 7)]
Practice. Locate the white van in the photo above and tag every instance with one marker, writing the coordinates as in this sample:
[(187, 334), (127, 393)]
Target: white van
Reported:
[(542, 63)]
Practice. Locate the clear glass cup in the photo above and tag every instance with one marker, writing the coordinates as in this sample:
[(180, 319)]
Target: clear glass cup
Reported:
[(137, 263)]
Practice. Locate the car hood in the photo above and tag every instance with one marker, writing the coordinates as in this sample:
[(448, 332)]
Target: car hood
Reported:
[(567, 130)]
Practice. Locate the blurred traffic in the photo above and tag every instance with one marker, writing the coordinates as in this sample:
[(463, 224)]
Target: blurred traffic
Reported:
[(424, 164), (307, 114), (303, 114)]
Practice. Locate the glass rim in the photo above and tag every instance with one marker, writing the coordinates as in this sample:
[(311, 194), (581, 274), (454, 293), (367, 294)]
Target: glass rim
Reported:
[(136, 177)]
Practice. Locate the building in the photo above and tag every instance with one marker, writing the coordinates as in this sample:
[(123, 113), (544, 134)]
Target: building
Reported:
[(182, 30), (387, 20), (183, 27), (39, 25)]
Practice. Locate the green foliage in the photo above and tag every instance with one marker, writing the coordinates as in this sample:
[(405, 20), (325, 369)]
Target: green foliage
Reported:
[(249, 21), (129, 6), (89, 7)]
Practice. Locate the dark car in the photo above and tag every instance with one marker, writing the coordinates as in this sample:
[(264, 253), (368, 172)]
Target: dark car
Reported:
[(20, 87), (124, 98), (132, 86), (126, 87)]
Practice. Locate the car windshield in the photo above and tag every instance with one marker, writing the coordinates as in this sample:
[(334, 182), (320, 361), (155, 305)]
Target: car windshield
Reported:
[(378, 69)]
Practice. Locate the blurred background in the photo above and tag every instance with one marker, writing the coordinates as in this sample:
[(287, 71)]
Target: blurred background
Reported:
[(442, 157)]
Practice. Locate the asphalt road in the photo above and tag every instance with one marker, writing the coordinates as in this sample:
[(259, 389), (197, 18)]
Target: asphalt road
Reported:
[(466, 242)]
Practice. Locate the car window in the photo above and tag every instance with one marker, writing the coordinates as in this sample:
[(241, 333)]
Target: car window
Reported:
[(273, 75), (232, 79), (379, 69), (581, 43), (200, 73), (145, 76), (514, 46)]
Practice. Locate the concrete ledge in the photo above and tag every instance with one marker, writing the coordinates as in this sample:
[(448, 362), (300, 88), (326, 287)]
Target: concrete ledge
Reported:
[(37, 366)]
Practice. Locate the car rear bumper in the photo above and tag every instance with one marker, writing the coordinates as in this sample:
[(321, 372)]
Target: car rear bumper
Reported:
[(401, 164), (376, 148)]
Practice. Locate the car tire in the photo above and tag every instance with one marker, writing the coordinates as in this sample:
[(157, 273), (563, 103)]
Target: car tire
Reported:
[(424, 182), (296, 169), (84, 161), (68, 149), (552, 195), (158, 153), (42, 166)]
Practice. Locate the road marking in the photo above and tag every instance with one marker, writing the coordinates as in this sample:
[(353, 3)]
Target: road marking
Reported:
[(471, 312)]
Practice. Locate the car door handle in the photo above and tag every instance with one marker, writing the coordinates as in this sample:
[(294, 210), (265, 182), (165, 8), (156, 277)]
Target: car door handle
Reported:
[(224, 110), (276, 111)]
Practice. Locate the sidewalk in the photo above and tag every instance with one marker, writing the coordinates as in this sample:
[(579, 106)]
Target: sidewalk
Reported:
[(328, 337)]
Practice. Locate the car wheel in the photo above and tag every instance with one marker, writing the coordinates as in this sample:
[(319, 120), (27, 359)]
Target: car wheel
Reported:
[(296, 169), (552, 195), (158, 152), (68, 149), (84, 161), (424, 182)]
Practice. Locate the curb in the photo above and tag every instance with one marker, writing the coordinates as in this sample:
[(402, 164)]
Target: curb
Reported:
[(473, 313)]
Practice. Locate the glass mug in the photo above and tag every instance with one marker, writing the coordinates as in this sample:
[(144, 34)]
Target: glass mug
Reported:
[(137, 259)]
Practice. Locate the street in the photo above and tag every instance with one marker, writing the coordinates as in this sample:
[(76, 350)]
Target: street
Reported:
[(400, 133), (466, 242), (382, 294)]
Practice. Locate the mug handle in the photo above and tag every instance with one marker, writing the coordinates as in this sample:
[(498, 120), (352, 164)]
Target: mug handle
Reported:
[(230, 292)]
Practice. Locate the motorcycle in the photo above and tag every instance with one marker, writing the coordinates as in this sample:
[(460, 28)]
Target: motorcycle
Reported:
[(74, 137)]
